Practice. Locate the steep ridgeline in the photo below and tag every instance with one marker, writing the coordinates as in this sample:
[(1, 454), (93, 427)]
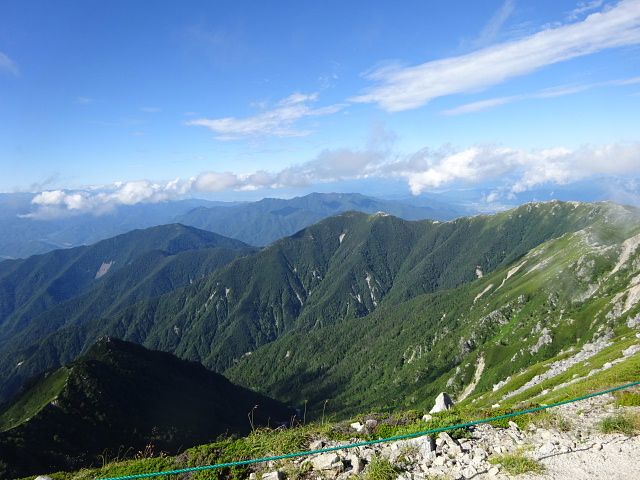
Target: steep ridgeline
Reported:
[(338, 270), (262, 223), (566, 310), (40, 294), (118, 396)]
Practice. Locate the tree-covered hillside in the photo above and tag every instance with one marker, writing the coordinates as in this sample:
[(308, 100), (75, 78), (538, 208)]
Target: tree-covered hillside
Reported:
[(338, 270), (574, 295), (120, 395), (41, 294)]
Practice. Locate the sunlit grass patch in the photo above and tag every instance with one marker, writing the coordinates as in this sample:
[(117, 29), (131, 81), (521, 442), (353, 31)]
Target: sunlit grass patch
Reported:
[(517, 463)]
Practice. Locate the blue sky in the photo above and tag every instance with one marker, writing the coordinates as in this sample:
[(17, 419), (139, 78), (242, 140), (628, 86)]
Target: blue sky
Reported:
[(107, 102)]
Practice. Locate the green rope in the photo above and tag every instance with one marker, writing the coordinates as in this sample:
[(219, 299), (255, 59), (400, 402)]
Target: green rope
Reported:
[(391, 439)]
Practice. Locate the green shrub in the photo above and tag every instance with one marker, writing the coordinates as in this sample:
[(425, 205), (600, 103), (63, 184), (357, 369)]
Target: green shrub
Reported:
[(381, 469), (628, 399), (618, 423), (449, 418), (517, 463)]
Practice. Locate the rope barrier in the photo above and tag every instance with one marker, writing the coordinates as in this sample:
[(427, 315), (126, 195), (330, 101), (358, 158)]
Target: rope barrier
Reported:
[(362, 444)]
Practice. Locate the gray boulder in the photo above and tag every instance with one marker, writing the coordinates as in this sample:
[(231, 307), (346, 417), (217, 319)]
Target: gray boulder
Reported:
[(443, 402)]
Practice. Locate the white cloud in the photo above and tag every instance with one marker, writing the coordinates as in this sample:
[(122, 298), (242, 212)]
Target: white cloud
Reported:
[(328, 166), (404, 88), (471, 166), (584, 7), (278, 121), (428, 169), (58, 203), (476, 107), (8, 65), (527, 169), (215, 182), (493, 27), (479, 106)]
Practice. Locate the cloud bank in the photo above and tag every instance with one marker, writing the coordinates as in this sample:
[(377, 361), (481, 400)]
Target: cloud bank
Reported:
[(99, 200), (527, 170), (425, 170), (403, 88)]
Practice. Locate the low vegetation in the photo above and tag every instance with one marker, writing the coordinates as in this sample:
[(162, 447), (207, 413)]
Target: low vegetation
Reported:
[(620, 423), (381, 469), (517, 463), (265, 442), (628, 399)]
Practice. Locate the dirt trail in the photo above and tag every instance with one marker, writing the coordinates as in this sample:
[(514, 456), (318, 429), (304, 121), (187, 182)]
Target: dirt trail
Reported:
[(595, 455)]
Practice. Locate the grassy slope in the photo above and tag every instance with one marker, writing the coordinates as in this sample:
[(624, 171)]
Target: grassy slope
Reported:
[(266, 443)]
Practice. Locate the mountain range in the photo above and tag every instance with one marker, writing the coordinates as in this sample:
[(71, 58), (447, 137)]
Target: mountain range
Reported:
[(341, 268), (262, 223), (368, 311), (29, 231)]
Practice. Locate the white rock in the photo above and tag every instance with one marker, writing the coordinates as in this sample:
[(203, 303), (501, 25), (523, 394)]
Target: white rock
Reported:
[(327, 461), (469, 472), (357, 426), (316, 445), (632, 350), (424, 445), (277, 475), (371, 424), (439, 461), (547, 448), (443, 402), (357, 464)]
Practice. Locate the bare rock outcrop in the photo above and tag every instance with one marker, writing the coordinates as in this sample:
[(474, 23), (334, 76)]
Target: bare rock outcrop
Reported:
[(570, 447)]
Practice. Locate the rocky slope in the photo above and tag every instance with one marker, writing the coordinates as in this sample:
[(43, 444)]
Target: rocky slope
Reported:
[(570, 445)]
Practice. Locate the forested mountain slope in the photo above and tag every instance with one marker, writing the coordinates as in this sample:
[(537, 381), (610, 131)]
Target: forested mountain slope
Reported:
[(40, 294), (336, 271), (569, 307), (120, 396)]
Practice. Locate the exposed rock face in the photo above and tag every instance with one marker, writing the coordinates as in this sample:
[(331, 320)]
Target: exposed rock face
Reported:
[(443, 402)]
